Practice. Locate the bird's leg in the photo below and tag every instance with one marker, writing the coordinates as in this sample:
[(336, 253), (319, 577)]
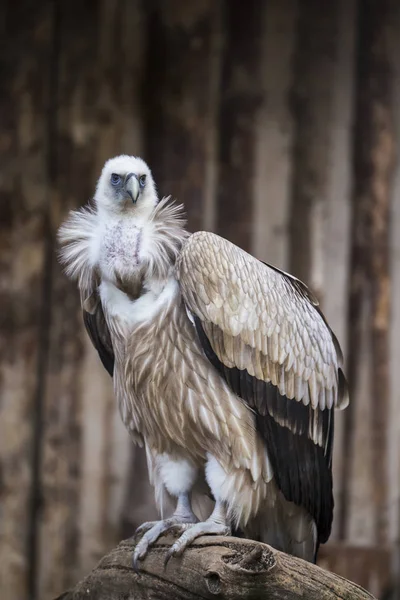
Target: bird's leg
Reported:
[(182, 516), (216, 524)]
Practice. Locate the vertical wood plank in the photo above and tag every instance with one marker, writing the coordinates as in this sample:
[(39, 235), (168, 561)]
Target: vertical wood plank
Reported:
[(357, 475), (274, 132), (240, 103), (62, 434), (373, 161), (312, 105), (337, 225), (394, 355), (23, 203), (380, 42), (320, 206), (181, 74), (97, 396), (338, 204)]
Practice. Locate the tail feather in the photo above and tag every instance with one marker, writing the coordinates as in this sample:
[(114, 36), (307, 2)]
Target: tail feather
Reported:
[(286, 527)]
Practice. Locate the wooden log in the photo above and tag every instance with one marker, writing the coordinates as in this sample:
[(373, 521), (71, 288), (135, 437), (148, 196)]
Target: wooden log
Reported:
[(227, 568)]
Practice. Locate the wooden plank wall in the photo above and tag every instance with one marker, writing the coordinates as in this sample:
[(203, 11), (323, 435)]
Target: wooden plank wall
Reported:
[(257, 116)]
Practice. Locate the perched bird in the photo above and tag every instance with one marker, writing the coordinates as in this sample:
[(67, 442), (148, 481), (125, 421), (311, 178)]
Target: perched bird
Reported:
[(224, 368)]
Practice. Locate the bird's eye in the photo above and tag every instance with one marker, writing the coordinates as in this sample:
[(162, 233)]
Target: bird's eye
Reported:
[(115, 179), (142, 180)]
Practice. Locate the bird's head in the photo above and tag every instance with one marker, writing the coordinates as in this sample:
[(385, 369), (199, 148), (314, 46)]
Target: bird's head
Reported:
[(126, 185)]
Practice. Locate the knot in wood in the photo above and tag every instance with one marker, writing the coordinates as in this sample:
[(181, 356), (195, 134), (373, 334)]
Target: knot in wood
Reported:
[(213, 582), (256, 559)]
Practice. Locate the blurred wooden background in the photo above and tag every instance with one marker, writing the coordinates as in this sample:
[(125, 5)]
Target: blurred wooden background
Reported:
[(276, 123)]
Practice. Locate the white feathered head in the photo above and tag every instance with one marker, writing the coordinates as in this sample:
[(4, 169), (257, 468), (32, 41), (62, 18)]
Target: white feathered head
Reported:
[(126, 184)]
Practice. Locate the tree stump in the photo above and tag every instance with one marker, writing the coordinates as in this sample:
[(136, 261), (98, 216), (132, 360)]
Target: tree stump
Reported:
[(227, 568)]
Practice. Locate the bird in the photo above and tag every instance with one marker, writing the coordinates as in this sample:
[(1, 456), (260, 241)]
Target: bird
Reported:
[(224, 368)]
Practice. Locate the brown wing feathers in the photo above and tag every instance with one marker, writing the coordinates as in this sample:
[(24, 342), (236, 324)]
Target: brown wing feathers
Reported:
[(302, 468), (262, 329)]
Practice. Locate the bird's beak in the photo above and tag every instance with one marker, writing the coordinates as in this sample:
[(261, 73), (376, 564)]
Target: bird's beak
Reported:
[(132, 187)]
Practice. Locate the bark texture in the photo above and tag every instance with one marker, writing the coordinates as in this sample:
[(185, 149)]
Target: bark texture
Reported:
[(227, 568)]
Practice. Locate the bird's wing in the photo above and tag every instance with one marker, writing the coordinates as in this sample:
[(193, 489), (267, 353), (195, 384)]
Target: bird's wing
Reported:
[(76, 237), (97, 328), (262, 329)]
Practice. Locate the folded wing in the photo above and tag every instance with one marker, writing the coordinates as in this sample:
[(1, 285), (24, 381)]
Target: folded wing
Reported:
[(263, 331)]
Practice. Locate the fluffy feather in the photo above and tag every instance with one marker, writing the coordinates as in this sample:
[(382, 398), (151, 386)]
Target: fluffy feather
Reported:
[(167, 234), (78, 240)]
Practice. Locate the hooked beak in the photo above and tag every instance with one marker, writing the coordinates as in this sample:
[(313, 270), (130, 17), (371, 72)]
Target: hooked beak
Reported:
[(132, 188)]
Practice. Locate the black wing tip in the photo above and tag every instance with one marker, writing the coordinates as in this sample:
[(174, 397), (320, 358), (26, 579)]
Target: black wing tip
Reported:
[(303, 473), (343, 390), (106, 357), (108, 364), (301, 287)]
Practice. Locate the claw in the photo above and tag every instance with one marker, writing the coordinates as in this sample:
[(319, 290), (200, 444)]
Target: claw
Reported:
[(176, 530), (135, 562), (144, 527), (168, 557), (191, 533), (140, 552), (151, 533)]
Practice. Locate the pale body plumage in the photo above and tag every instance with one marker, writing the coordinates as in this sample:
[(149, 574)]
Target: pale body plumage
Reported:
[(154, 298)]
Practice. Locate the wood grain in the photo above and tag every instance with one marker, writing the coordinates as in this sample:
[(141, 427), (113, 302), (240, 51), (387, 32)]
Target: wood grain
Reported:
[(315, 56), (24, 202), (180, 101), (370, 281), (227, 568), (241, 100)]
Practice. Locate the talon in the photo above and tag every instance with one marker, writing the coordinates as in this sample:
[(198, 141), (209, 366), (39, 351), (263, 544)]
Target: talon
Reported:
[(179, 528), (192, 532), (139, 553), (153, 530), (135, 563), (168, 557), (143, 528)]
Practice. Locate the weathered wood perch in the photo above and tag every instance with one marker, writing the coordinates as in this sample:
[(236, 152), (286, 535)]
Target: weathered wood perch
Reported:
[(227, 568)]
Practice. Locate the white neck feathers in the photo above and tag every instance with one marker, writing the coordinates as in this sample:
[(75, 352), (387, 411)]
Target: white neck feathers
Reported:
[(162, 235)]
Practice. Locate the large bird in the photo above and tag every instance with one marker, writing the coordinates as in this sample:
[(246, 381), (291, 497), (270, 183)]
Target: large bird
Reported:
[(224, 368)]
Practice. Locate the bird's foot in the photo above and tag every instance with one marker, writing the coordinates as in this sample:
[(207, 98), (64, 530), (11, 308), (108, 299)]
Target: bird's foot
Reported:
[(152, 530), (193, 531)]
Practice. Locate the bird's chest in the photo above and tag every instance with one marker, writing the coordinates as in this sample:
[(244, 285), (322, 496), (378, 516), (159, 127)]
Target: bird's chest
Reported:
[(152, 398), (120, 255)]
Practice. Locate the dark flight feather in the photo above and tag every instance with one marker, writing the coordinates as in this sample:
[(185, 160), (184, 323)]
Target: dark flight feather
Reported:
[(302, 469), (99, 334)]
